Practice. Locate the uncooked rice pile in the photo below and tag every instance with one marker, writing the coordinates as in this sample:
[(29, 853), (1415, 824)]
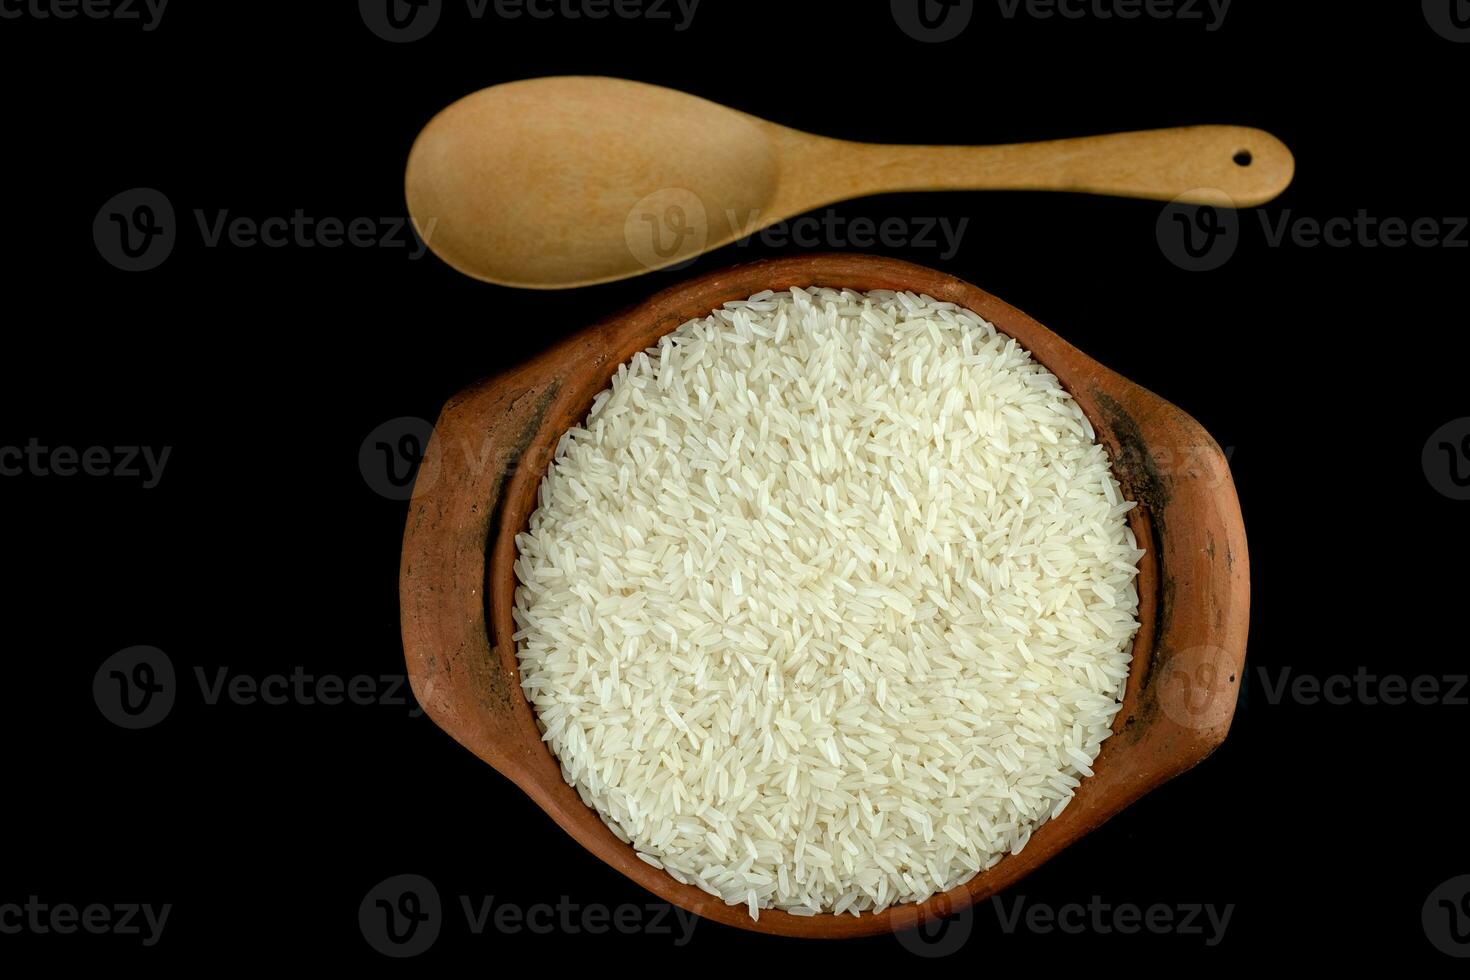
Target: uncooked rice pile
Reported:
[(829, 602)]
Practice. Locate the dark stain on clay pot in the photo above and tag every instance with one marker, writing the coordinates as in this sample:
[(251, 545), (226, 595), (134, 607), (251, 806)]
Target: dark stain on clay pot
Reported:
[(1139, 477)]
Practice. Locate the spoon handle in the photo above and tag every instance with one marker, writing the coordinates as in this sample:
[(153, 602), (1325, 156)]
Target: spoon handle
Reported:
[(1233, 166)]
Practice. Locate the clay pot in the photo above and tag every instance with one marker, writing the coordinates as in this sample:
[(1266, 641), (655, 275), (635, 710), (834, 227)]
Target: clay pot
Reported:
[(477, 487)]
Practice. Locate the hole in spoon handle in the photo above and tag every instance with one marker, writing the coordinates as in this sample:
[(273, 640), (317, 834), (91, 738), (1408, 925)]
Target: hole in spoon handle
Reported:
[(1233, 166)]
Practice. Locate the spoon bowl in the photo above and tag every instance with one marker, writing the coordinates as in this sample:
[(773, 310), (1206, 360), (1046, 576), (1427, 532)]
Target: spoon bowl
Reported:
[(550, 183), (477, 487)]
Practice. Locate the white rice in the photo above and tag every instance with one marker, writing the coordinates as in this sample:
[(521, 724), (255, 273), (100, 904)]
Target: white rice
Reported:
[(829, 602)]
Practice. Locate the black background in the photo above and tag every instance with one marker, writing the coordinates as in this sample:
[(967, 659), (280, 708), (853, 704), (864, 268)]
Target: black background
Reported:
[(263, 549)]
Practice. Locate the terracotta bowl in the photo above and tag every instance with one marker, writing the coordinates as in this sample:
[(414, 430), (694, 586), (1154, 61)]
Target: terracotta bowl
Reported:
[(477, 487)]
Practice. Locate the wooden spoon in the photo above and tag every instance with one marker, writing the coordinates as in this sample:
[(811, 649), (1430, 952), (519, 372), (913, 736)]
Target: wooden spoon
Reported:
[(476, 489), (567, 181)]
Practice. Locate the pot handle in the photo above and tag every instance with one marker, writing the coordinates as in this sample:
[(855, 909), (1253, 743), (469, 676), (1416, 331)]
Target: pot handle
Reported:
[(463, 682), (1195, 665)]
